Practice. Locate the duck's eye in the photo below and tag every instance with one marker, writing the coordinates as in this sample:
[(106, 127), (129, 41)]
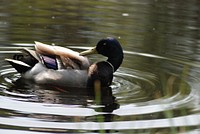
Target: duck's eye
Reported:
[(104, 44)]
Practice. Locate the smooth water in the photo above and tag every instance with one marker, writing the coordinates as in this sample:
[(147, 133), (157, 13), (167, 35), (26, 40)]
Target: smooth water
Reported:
[(156, 89)]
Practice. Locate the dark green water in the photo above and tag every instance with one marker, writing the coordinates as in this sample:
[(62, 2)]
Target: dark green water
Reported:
[(156, 89)]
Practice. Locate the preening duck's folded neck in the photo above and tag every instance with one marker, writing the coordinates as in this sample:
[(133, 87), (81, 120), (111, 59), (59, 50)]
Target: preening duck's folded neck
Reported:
[(116, 61)]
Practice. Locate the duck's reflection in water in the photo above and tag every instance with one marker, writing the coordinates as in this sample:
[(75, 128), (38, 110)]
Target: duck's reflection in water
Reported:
[(65, 95), (102, 101)]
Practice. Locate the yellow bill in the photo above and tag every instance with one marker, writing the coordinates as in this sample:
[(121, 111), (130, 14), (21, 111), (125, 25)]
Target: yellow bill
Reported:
[(89, 52)]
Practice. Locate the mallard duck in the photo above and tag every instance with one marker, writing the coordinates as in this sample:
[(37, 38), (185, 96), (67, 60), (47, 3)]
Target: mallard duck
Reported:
[(49, 64)]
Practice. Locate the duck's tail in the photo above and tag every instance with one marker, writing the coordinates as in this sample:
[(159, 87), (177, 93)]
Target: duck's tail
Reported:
[(25, 61), (20, 66)]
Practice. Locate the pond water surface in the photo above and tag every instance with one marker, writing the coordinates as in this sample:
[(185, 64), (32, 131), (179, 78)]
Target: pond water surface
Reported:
[(156, 89)]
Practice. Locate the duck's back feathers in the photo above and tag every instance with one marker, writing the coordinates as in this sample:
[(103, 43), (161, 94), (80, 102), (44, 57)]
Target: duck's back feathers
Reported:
[(62, 52)]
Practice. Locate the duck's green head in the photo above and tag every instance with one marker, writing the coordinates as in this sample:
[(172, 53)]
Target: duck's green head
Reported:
[(110, 48)]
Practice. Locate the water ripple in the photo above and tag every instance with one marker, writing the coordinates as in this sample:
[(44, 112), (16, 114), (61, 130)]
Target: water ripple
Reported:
[(190, 120)]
